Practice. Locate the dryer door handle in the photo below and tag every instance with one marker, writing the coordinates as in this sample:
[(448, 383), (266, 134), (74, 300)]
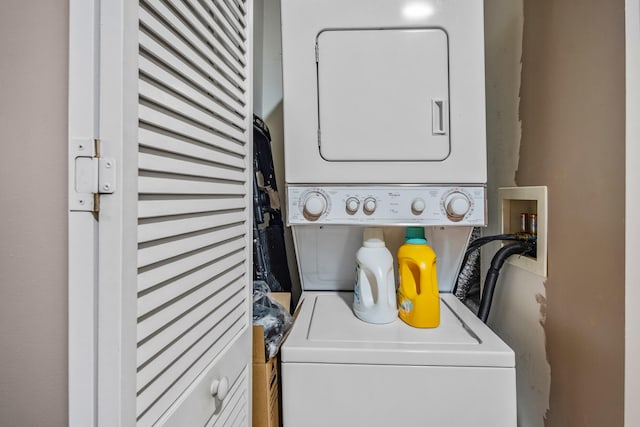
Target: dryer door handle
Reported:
[(440, 119)]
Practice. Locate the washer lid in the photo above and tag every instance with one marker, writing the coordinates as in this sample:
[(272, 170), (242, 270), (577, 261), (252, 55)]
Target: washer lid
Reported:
[(326, 331)]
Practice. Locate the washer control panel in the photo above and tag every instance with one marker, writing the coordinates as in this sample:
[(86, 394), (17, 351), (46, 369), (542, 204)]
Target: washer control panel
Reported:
[(385, 205)]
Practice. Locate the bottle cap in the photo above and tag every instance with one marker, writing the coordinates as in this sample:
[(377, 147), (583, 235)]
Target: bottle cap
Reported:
[(373, 238), (415, 236)]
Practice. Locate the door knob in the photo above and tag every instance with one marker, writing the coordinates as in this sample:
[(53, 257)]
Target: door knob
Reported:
[(220, 388)]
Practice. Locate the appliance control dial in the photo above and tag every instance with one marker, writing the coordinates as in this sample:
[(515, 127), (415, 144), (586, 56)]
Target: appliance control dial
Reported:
[(352, 205), (369, 206), (418, 206), (315, 204), (457, 204)]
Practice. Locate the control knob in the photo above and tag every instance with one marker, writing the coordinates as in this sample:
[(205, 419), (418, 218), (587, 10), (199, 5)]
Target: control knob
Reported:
[(369, 205), (457, 205), (315, 204), (417, 206), (352, 205)]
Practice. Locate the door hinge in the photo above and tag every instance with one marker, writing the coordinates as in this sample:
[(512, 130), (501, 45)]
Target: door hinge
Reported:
[(91, 175)]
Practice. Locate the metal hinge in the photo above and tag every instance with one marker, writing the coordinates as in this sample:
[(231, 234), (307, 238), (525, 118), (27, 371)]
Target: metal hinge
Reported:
[(91, 175)]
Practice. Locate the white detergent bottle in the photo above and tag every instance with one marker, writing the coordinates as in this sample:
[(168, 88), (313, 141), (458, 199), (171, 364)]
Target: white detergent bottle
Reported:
[(374, 293)]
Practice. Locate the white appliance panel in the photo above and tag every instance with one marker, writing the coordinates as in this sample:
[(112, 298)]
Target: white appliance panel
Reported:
[(386, 205), (327, 331), (346, 395), (306, 22), (383, 95)]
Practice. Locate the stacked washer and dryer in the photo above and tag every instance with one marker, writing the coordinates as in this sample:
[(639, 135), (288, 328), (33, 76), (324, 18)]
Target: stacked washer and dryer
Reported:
[(384, 125)]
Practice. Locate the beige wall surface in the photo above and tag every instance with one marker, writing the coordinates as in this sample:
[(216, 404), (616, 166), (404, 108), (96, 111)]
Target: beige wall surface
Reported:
[(33, 218), (572, 112), (517, 313)]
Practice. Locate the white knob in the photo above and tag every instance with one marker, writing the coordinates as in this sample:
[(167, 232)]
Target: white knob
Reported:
[(457, 206), (418, 206), (352, 205), (369, 206), (314, 206), (220, 388)]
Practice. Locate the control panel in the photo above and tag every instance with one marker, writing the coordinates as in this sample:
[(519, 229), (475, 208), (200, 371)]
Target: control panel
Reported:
[(387, 205)]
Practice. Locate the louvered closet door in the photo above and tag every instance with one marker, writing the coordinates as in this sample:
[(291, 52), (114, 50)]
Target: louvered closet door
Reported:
[(193, 283)]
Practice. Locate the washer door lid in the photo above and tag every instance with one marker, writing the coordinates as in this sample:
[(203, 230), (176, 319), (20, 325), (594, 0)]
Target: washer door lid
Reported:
[(327, 331)]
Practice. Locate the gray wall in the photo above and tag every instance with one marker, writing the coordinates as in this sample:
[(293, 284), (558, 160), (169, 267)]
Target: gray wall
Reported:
[(33, 218)]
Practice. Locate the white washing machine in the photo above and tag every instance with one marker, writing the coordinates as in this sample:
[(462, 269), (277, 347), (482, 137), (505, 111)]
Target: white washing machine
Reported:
[(340, 371), (385, 125)]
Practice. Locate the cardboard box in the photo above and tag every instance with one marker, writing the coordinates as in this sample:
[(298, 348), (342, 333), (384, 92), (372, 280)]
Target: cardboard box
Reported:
[(266, 378)]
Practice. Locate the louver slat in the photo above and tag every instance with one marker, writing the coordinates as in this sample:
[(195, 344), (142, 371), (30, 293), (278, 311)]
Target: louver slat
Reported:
[(170, 121), (235, 34), (168, 184), (201, 283), (168, 345), (173, 205), (193, 225), (196, 74), (207, 119), (190, 242), (213, 22), (161, 162), (186, 90), (155, 29), (175, 144), (154, 230), (236, 13), (211, 35), (173, 268), (172, 19)]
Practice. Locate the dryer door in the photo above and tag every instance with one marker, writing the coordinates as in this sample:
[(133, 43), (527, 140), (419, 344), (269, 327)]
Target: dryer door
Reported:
[(391, 109)]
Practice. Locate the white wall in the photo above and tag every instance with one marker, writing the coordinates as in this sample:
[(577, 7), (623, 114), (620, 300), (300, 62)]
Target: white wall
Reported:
[(268, 61)]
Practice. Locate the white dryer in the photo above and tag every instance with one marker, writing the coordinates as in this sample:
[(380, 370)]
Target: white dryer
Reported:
[(384, 91)]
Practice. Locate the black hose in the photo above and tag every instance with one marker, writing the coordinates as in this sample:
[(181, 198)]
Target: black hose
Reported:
[(481, 241), (492, 275)]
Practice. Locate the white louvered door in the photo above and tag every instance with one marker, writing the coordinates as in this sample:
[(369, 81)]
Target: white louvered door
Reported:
[(174, 311)]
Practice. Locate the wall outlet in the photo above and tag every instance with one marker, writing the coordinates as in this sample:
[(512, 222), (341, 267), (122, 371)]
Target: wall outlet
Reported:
[(526, 200)]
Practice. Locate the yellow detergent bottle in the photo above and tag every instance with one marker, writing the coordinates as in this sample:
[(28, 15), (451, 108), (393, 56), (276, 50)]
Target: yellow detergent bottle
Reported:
[(418, 297)]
